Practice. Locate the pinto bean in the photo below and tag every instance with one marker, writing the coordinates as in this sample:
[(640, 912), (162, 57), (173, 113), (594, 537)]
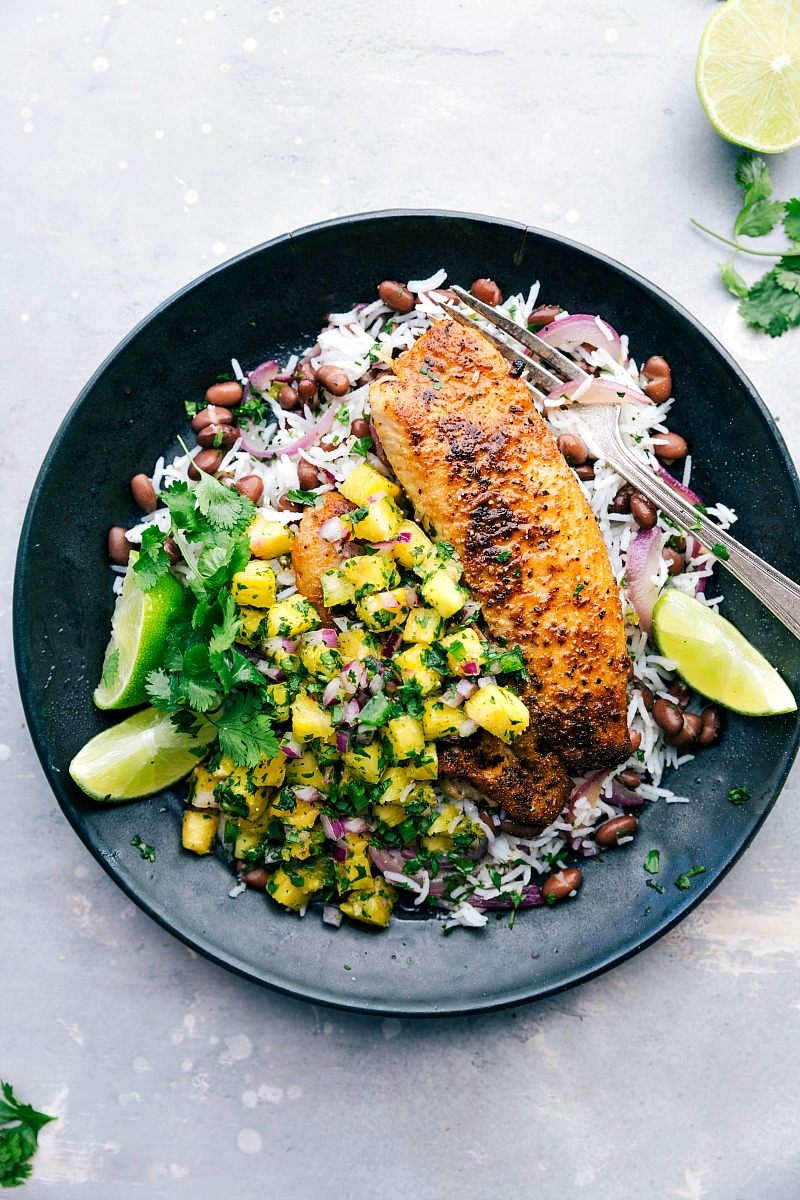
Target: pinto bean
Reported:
[(585, 472), (333, 380), (396, 296), (487, 291), (212, 414), (307, 386), (711, 728), (284, 504), (206, 460), (668, 716), (226, 394), (144, 493), (669, 446), (687, 735), (215, 436), (560, 886), (307, 475), (635, 739), (119, 548), (629, 778), (359, 428), (173, 549), (289, 397), (645, 693), (609, 833), (256, 877), (517, 830), (674, 560), (622, 501), (644, 511), (658, 378), (251, 486), (572, 448), (544, 314), (681, 694)]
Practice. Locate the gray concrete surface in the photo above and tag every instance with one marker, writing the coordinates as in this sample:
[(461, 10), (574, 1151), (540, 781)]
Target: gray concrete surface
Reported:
[(144, 141)]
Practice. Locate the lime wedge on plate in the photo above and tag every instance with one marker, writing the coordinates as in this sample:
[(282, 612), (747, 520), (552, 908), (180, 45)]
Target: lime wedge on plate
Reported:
[(715, 660), (138, 636), (142, 755), (748, 73)]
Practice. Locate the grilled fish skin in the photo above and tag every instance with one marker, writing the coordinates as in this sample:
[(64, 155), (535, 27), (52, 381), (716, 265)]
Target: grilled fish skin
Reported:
[(311, 554), (534, 789), (481, 468)]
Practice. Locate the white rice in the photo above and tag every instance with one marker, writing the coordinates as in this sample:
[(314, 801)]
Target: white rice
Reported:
[(352, 341)]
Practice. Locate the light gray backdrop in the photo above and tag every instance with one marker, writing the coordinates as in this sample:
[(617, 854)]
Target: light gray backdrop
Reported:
[(143, 142)]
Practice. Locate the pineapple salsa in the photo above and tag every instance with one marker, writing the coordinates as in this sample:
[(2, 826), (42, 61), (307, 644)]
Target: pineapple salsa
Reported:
[(345, 807)]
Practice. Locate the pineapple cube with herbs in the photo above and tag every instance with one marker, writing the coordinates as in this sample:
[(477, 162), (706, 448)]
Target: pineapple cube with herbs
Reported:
[(448, 816), (356, 870), (395, 784), (403, 736), (293, 886), (498, 711), (201, 789), (277, 701), (305, 772), (365, 761), (440, 720), (466, 652), (269, 772), (437, 843), (248, 838), (289, 618), (357, 644), (423, 793), (370, 573), (309, 721), (252, 626), (441, 592), (269, 539), (255, 585), (426, 764), (415, 551), (382, 611), (302, 816), (320, 660), (390, 814), (412, 666), (379, 523), (371, 906), (423, 626), (336, 589), (364, 482), (198, 831)]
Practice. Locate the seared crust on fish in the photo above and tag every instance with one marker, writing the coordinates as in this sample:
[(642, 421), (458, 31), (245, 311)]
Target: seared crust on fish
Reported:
[(311, 554), (533, 789), (481, 468)]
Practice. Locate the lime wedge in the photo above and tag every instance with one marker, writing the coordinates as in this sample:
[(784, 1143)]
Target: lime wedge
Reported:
[(715, 660), (748, 73), (142, 755), (138, 636)]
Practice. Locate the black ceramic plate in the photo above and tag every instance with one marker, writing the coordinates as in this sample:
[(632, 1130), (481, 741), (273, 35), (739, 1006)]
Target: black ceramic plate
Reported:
[(268, 303)]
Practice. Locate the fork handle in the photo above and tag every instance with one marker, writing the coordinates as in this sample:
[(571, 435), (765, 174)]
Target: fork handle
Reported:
[(780, 594)]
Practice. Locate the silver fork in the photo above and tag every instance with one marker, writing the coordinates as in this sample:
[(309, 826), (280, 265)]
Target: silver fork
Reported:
[(779, 593)]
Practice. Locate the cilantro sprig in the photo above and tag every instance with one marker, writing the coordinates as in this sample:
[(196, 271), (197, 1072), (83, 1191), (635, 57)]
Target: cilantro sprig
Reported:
[(19, 1137), (772, 303)]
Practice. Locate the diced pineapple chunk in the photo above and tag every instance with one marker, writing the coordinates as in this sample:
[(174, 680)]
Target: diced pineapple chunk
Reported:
[(444, 819), (390, 814), (418, 552), (364, 482), (403, 736), (358, 644), (373, 907), (381, 523), (201, 789), (319, 659), (365, 761), (423, 626), (443, 593), (423, 793), (252, 625), (466, 651), (247, 839), (355, 872), (276, 697), (499, 711), (371, 573), (198, 830), (309, 721), (439, 843), (335, 588), (297, 844), (269, 772), (440, 720), (293, 886), (269, 539), (426, 764), (305, 772), (302, 816), (412, 665), (395, 784), (292, 617), (255, 585), (384, 610)]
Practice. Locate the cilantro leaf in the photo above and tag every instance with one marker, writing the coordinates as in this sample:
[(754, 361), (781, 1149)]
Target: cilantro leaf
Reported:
[(361, 446), (732, 279), (111, 669), (752, 174), (159, 690), (791, 219), (179, 499), (376, 711), (787, 274), (739, 795), (410, 696), (245, 732), (770, 307), (153, 561), (19, 1143), (224, 635), (758, 219), (298, 496), (223, 508)]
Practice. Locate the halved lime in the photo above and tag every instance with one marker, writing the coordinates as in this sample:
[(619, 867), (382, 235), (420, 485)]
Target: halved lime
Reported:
[(748, 73), (142, 755), (715, 659), (138, 636)]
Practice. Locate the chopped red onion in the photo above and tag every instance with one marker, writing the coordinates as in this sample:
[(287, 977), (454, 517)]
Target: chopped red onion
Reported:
[(580, 328), (350, 712), (375, 497), (393, 640), (333, 530), (382, 547), (531, 898), (292, 750), (644, 559), (263, 376), (331, 915), (273, 673), (452, 697), (309, 795), (625, 797), (693, 498), (390, 601), (331, 693), (387, 860), (599, 391), (485, 680), (471, 668), (364, 735), (342, 741), (404, 537), (338, 853), (332, 827), (466, 688), (322, 427), (330, 638), (376, 684), (412, 598), (467, 728), (356, 825)]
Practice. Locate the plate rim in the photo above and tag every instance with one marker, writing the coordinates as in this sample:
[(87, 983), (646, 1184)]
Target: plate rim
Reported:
[(200, 943)]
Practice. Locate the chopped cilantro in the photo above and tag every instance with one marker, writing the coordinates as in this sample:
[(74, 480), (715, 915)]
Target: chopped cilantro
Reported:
[(651, 883), (719, 551), (19, 1132), (307, 499), (683, 882), (651, 862), (145, 851), (503, 556), (739, 795), (361, 446)]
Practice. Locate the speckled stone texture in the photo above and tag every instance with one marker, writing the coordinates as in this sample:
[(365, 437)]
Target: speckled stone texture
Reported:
[(143, 142)]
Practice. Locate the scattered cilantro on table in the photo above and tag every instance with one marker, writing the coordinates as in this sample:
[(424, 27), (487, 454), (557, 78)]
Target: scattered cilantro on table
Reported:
[(19, 1133), (772, 303)]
